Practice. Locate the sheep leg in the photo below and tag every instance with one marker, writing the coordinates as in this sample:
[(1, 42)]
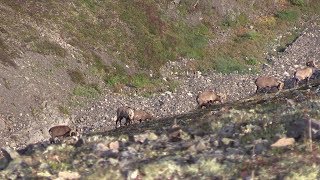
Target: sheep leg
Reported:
[(118, 120), (307, 81), (257, 91), (127, 122), (295, 82)]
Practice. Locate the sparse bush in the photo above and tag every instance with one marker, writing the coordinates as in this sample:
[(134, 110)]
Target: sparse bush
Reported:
[(268, 22), (288, 15), (297, 2), (47, 47), (5, 56), (161, 170), (76, 76)]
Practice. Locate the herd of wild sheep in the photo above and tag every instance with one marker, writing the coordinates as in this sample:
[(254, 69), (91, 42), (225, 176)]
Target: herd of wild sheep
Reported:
[(204, 99)]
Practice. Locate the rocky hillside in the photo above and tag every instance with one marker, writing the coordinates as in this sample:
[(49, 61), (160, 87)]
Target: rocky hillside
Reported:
[(273, 136), (75, 62)]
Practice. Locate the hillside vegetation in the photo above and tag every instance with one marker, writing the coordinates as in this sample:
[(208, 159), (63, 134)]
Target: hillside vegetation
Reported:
[(56, 56), (124, 42), (230, 141)]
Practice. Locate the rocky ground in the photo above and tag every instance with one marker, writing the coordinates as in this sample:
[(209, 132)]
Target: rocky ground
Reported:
[(100, 116), (236, 139), (263, 137)]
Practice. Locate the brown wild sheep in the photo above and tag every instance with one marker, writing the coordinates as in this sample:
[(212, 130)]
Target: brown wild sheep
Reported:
[(140, 115), (268, 82), (60, 131), (305, 73), (207, 98), (124, 112)]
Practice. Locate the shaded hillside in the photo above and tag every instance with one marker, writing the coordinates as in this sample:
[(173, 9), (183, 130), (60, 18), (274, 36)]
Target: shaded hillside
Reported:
[(235, 140)]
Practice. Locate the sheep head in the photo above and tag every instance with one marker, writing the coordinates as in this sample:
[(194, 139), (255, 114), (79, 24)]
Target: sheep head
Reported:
[(222, 97), (311, 64)]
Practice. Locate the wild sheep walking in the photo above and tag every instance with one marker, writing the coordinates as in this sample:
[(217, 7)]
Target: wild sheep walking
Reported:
[(207, 98), (124, 112), (140, 115), (268, 82), (305, 73)]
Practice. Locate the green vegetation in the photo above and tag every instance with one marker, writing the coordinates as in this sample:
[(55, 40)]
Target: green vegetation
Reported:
[(250, 35), (147, 34), (305, 172), (252, 61), (87, 91), (140, 80), (227, 65), (288, 15), (116, 80)]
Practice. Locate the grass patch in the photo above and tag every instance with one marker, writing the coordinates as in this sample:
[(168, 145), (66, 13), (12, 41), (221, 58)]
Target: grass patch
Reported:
[(140, 80), (288, 15), (116, 80), (250, 35), (99, 65), (227, 65), (87, 91), (252, 61), (191, 41)]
